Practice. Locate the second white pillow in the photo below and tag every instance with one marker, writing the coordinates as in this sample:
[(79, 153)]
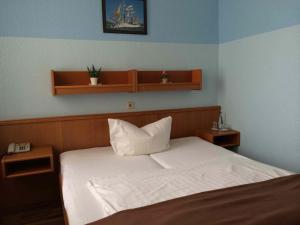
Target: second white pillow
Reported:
[(128, 139)]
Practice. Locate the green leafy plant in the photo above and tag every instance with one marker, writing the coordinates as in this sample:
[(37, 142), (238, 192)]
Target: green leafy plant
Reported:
[(164, 75), (93, 72)]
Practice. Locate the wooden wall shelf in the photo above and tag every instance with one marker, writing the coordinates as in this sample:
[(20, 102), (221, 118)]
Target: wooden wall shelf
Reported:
[(178, 80), (77, 82)]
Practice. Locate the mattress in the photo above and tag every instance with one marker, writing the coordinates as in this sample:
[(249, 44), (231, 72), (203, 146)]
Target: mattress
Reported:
[(80, 168), (76, 169)]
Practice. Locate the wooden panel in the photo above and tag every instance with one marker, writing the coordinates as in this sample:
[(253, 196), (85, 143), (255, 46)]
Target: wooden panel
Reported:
[(40, 134), (168, 87), (208, 117), (132, 79), (173, 76), (179, 122), (139, 121), (62, 132), (68, 78), (87, 89), (112, 77), (100, 127), (40, 214), (76, 132), (73, 132), (197, 77), (18, 193)]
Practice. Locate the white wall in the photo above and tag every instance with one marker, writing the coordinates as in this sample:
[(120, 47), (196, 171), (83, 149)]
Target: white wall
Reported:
[(259, 89), (25, 64)]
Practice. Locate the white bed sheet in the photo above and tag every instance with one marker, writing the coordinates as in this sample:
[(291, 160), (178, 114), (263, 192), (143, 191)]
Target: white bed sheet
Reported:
[(192, 165), (140, 189), (190, 151), (80, 167), (193, 151), (76, 169)]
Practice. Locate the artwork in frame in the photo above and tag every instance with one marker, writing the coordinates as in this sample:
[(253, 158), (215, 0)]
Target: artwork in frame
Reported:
[(124, 16)]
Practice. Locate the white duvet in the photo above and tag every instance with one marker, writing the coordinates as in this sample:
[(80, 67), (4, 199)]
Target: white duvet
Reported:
[(191, 165), (126, 191)]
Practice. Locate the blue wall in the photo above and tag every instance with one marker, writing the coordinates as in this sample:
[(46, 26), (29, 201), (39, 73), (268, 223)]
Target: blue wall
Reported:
[(259, 82), (242, 18), (39, 35), (194, 21), (25, 85)]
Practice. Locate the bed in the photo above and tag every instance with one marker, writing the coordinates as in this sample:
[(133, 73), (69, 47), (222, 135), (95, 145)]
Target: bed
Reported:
[(92, 179), (82, 169)]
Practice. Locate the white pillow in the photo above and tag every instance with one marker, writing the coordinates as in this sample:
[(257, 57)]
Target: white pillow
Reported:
[(127, 139)]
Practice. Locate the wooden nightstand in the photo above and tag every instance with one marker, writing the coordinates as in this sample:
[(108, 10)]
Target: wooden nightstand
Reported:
[(39, 160), (226, 139)]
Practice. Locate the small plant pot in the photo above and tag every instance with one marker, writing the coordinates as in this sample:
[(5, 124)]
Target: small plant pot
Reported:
[(164, 80), (94, 81)]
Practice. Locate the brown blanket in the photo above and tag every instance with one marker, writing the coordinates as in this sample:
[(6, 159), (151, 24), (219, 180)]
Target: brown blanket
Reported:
[(272, 202)]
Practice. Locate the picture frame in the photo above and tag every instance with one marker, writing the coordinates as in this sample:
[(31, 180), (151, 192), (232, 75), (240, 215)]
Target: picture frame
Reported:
[(124, 16)]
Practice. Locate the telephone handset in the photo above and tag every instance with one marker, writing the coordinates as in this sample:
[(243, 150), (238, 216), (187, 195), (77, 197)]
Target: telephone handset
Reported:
[(17, 148)]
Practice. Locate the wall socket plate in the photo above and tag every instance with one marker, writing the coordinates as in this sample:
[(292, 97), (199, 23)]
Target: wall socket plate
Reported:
[(130, 105)]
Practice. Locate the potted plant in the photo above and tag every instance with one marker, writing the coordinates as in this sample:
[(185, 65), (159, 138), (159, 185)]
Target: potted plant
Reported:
[(94, 74), (164, 77)]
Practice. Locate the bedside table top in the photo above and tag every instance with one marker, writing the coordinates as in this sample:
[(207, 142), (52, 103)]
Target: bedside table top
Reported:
[(35, 153), (218, 132)]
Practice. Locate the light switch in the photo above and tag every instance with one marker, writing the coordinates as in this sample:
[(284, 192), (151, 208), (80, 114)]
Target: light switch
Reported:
[(131, 105)]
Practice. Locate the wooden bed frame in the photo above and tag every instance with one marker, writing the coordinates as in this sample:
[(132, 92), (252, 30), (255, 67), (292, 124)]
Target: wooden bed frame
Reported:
[(80, 132)]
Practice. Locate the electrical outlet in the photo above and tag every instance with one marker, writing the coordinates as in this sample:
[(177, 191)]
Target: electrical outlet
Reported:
[(130, 105)]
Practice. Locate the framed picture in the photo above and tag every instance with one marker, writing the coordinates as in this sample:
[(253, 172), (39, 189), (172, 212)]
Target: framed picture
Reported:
[(124, 16)]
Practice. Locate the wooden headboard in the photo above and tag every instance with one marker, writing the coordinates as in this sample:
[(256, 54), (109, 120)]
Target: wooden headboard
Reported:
[(78, 132)]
